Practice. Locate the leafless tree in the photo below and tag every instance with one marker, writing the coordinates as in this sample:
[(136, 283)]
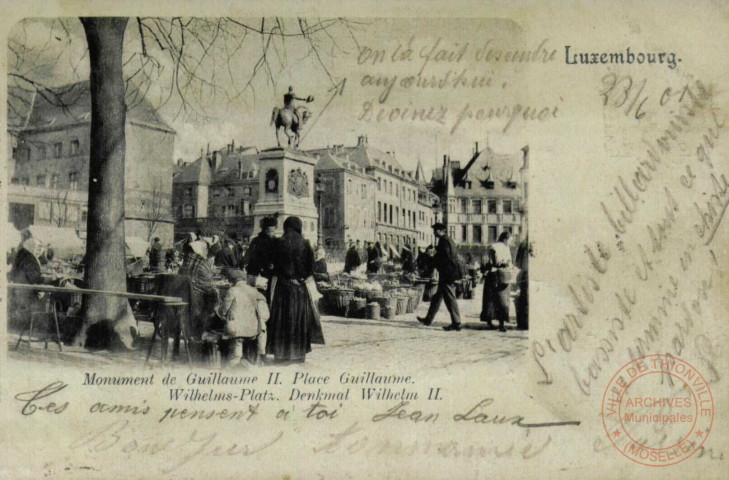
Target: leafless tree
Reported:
[(59, 209), (155, 207), (181, 62)]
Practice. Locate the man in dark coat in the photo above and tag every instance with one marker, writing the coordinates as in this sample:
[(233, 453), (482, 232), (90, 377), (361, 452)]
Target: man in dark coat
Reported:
[(259, 257), (351, 259), (446, 262)]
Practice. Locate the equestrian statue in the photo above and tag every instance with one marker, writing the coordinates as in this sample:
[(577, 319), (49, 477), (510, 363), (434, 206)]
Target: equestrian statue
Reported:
[(291, 118)]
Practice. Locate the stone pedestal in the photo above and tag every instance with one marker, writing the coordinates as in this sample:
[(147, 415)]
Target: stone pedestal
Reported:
[(286, 186)]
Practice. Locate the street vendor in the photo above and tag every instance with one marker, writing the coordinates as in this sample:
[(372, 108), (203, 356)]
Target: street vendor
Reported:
[(352, 260), (199, 267), (26, 269), (407, 259), (374, 258), (320, 266)]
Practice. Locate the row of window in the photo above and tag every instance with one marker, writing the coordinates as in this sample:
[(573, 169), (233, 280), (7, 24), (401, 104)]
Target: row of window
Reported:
[(489, 184), (350, 188), (227, 191), (42, 151), (476, 206), (42, 181), (385, 215), (388, 186), (393, 239), (230, 210), (477, 235)]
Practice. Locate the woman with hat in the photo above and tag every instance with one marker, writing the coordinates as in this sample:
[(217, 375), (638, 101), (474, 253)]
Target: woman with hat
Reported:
[(294, 323)]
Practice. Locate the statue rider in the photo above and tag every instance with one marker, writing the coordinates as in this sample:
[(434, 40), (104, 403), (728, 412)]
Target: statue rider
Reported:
[(289, 102)]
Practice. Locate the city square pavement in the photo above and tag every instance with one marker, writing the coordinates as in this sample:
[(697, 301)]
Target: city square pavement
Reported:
[(401, 342)]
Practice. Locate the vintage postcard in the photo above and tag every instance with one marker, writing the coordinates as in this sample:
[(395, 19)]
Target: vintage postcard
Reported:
[(364, 240)]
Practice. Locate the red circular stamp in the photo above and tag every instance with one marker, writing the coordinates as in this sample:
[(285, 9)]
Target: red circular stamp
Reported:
[(657, 410)]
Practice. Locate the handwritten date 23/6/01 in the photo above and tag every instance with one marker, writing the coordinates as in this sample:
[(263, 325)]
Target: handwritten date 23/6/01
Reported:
[(624, 93), (37, 400)]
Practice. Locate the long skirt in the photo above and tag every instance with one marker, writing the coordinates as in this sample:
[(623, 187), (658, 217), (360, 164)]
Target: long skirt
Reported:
[(293, 325), (495, 300)]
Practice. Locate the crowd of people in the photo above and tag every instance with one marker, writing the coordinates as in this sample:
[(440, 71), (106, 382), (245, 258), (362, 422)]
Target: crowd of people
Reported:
[(281, 320), (269, 313)]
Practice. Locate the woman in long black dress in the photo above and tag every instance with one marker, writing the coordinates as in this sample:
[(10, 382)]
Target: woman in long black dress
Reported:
[(294, 323)]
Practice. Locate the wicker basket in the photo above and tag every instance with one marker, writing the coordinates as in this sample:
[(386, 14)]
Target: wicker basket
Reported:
[(357, 308), (420, 289), (412, 303), (387, 312), (373, 311), (385, 302), (338, 300), (402, 305)]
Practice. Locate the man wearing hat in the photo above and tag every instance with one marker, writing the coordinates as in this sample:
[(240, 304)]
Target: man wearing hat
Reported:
[(245, 310), (259, 257), (446, 262)]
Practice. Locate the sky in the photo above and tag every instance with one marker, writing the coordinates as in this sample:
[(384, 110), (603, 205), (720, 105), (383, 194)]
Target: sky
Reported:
[(358, 71)]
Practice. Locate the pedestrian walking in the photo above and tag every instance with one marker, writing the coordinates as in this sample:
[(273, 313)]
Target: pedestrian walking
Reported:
[(446, 262)]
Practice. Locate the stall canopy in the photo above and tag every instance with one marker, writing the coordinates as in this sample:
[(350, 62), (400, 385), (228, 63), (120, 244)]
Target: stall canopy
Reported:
[(136, 247), (65, 241)]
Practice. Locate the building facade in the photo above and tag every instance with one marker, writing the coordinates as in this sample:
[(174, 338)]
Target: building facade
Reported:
[(485, 197), (359, 192), (49, 166)]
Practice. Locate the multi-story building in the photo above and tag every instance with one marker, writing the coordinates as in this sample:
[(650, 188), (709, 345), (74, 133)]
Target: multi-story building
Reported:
[(395, 201), (216, 192), (485, 197), (347, 196), (49, 164)]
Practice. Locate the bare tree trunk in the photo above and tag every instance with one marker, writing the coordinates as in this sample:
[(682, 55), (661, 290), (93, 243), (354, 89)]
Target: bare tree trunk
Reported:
[(105, 254)]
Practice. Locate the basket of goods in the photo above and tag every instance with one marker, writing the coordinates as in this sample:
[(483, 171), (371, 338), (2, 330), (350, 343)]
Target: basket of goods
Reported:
[(385, 300), (373, 311), (367, 290), (338, 299), (420, 289), (413, 299), (387, 312), (402, 303), (357, 307)]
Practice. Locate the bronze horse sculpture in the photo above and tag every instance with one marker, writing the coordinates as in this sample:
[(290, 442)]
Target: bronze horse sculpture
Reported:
[(289, 121)]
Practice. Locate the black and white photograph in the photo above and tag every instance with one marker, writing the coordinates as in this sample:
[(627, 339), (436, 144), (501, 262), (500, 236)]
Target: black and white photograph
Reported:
[(212, 195), (364, 239)]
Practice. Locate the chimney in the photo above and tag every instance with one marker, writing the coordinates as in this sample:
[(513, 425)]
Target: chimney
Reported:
[(476, 148), (445, 159), (362, 140), (232, 145)]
